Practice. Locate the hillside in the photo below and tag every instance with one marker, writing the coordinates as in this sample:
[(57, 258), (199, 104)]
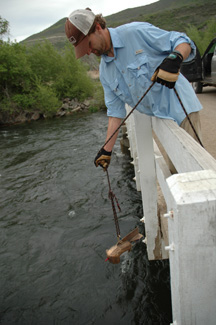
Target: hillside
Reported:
[(166, 14)]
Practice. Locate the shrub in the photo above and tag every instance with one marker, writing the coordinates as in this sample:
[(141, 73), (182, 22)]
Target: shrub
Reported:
[(15, 72), (45, 100), (202, 37), (39, 77), (73, 81)]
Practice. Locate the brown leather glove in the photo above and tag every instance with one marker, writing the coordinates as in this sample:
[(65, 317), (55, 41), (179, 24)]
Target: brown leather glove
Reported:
[(103, 159), (168, 71)]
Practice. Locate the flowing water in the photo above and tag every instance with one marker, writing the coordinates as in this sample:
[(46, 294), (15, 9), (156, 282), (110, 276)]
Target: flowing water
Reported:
[(56, 223)]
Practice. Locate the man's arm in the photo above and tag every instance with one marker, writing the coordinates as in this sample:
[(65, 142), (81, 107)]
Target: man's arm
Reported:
[(184, 49), (168, 71), (104, 155), (113, 124)]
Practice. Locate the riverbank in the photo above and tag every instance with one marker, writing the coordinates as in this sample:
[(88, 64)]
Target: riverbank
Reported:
[(69, 107)]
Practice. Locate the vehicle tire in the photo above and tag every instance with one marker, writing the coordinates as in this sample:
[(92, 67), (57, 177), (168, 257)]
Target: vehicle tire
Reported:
[(197, 86)]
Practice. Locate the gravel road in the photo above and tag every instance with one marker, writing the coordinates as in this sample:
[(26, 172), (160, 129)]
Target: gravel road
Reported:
[(208, 119)]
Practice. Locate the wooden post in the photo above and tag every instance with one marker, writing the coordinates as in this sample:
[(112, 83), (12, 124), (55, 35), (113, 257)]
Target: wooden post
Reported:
[(192, 247), (148, 183), (133, 147)]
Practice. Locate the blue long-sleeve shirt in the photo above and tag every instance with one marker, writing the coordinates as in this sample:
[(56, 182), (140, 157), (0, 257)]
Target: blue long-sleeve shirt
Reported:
[(139, 48)]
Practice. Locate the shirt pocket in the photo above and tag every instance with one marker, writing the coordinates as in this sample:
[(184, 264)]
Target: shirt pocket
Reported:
[(139, 68), (138, 72)]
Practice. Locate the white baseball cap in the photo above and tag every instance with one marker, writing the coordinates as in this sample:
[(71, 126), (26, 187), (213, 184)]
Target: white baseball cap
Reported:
[(77, 26)]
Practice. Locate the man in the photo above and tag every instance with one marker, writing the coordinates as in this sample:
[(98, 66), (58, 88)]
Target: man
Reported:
[(132, 56)]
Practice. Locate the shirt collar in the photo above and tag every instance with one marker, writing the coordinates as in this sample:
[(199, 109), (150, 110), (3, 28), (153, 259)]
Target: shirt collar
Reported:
[(117, 43)]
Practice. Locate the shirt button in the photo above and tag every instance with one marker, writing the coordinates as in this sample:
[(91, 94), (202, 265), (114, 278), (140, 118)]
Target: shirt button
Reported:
[(138, 68), (129, 85)]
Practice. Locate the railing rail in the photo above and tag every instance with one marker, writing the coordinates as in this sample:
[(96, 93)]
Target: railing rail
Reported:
[(188, 236)]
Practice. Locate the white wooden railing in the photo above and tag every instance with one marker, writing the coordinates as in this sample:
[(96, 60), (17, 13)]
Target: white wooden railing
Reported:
[(179, 212)]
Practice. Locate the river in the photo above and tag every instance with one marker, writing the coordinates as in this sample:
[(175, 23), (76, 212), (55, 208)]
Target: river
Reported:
[(56, 223)]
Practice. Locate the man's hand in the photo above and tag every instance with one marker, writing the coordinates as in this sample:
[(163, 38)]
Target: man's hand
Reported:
[(103, 159), (167, 73)]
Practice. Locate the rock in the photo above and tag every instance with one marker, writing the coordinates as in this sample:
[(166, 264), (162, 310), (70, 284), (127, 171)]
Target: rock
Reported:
[(60, 113), (36, 116), (65, 106), (66, 100), (87, 102), (77, 109)]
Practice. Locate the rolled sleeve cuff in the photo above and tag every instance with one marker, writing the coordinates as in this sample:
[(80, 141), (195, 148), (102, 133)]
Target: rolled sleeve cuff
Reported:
[(117, 111), (185, 39)]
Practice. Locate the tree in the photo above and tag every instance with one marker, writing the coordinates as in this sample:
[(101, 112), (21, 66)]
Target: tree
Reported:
[(45, 61), (4, 27), (73, 81), (38, 78), (15, 72)]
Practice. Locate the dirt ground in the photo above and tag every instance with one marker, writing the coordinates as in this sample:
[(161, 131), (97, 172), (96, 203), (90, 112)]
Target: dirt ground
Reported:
[(208, 119)]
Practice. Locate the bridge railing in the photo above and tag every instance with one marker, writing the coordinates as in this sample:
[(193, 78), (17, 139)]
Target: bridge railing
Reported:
[(179, 212)]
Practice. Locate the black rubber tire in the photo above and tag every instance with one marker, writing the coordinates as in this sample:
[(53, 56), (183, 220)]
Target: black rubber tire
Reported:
[(197, 86)]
